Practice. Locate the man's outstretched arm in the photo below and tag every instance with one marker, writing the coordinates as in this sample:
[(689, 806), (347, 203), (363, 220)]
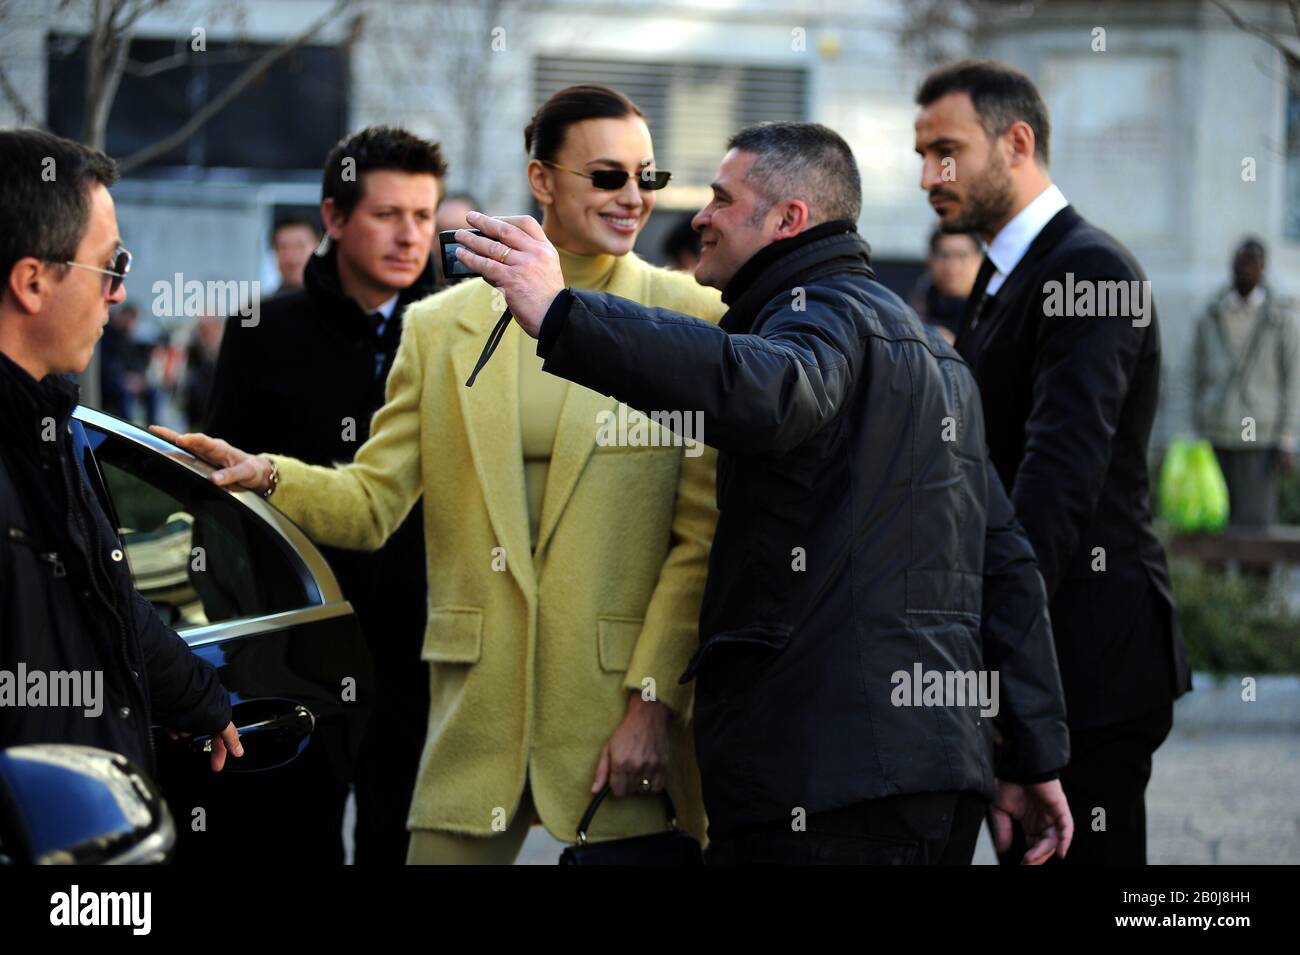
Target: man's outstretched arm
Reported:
[(755, 393)]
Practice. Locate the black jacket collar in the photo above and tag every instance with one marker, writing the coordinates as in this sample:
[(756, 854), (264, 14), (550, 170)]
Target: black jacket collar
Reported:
[(1046, 240), (775, 268), (25, 403), (322, 285)]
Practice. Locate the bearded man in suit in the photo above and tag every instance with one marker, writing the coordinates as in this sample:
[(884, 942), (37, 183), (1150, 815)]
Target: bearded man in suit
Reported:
[(1061, 334)]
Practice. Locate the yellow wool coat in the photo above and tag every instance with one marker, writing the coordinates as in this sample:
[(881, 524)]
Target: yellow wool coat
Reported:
[(529, 677)]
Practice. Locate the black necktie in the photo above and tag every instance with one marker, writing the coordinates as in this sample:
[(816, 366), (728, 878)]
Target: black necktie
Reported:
[(979, 295), (380, 331)]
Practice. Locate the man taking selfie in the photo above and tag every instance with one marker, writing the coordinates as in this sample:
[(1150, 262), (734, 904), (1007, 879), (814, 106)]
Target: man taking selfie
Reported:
[(864, 538)]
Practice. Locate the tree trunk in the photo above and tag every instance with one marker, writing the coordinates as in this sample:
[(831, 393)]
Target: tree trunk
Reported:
[(108, 44)]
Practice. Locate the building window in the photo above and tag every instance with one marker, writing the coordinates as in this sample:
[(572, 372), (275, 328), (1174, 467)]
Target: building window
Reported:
[(286, 119), (1291, 225)]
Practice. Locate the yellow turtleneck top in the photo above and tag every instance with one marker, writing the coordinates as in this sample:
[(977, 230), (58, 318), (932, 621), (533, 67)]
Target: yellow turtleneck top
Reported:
[(541, 396)]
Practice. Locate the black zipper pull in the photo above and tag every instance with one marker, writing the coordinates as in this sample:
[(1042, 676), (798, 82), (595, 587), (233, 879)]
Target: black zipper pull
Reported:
[(19, 536), (52, 558)]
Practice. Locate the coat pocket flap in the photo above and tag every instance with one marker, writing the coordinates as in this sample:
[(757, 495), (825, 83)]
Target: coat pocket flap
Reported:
[(453, 635), (617, 637), (774, 637), (945, 592)]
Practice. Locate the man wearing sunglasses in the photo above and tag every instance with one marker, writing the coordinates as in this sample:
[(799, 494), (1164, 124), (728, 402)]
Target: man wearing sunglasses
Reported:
[(67, 600), (865, 544)]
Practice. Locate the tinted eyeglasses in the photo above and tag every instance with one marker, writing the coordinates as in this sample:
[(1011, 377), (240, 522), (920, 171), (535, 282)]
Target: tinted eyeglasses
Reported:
[(120, 265), (614, 179)]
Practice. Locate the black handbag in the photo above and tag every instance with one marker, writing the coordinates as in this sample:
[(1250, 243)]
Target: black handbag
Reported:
[(674, 847)]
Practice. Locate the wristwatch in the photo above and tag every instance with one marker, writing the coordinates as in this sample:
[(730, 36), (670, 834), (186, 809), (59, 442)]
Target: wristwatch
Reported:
[(273, 480)]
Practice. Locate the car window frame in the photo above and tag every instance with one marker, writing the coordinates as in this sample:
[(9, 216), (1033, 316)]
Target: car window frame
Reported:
[(324, 597)]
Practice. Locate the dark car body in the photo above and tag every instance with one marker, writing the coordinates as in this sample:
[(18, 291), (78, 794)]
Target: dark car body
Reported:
[(246, 589)]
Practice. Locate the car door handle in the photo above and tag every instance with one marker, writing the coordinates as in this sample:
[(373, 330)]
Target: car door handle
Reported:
[(273, 733)]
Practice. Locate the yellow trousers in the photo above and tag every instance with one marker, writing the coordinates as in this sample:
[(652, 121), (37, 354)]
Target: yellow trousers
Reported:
[(436, 847)]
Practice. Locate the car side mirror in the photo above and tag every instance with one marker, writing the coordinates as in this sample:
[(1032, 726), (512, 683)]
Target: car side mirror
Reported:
[(76, 805)]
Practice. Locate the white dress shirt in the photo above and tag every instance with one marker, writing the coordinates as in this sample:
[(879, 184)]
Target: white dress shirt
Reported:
[(1010, 245)]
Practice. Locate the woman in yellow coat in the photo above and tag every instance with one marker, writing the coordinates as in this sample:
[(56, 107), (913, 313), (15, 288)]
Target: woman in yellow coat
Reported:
[(565, 568)]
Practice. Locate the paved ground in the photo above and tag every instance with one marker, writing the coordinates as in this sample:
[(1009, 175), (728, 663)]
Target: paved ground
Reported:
[(1215, 797), (1226, 797), (1225, 786)]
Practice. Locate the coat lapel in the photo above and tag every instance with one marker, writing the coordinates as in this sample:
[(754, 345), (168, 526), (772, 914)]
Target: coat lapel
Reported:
[(1013, 290), (491, 413), (575, 435), (575, 439)]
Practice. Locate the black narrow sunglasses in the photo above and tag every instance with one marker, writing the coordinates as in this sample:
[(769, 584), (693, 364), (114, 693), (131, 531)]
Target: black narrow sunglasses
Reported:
[(121, 265), (615, 179)]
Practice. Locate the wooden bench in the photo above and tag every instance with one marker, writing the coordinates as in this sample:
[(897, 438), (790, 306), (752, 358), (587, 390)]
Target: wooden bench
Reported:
[(1255, 546)]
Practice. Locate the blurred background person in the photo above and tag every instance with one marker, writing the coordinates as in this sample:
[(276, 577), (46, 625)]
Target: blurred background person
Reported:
[(124, 365), (451, 211), (201, 355), (293, 240), (681, 246), (1246, 385), (940, 294), (307, 380), (565, 575)]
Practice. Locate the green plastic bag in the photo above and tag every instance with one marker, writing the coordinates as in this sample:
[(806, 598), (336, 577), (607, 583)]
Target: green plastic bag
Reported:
[(1193, 494)]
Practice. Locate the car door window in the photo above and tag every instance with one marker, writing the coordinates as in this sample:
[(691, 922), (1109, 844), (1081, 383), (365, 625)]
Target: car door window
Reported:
[(195, 552)]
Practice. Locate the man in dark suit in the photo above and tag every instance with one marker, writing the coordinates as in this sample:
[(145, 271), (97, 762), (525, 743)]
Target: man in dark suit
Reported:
[(1061, 334), (305, 381)]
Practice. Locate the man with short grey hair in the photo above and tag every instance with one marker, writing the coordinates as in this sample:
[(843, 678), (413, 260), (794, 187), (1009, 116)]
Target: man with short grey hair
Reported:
[(873, 609), (799, 161)]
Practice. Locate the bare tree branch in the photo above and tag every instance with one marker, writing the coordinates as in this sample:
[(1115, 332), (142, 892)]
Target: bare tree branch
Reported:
[(224, 98), (180, 58), (116, 65), (1292, 59), (939, 30), (141, 8), (26, 115), (160, 65), (92, 129), (465, 67)]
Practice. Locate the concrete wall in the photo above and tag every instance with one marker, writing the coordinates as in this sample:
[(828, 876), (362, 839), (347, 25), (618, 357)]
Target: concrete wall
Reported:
[(1149, 135), (859, 82), (1148, 142), (210, 229)]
